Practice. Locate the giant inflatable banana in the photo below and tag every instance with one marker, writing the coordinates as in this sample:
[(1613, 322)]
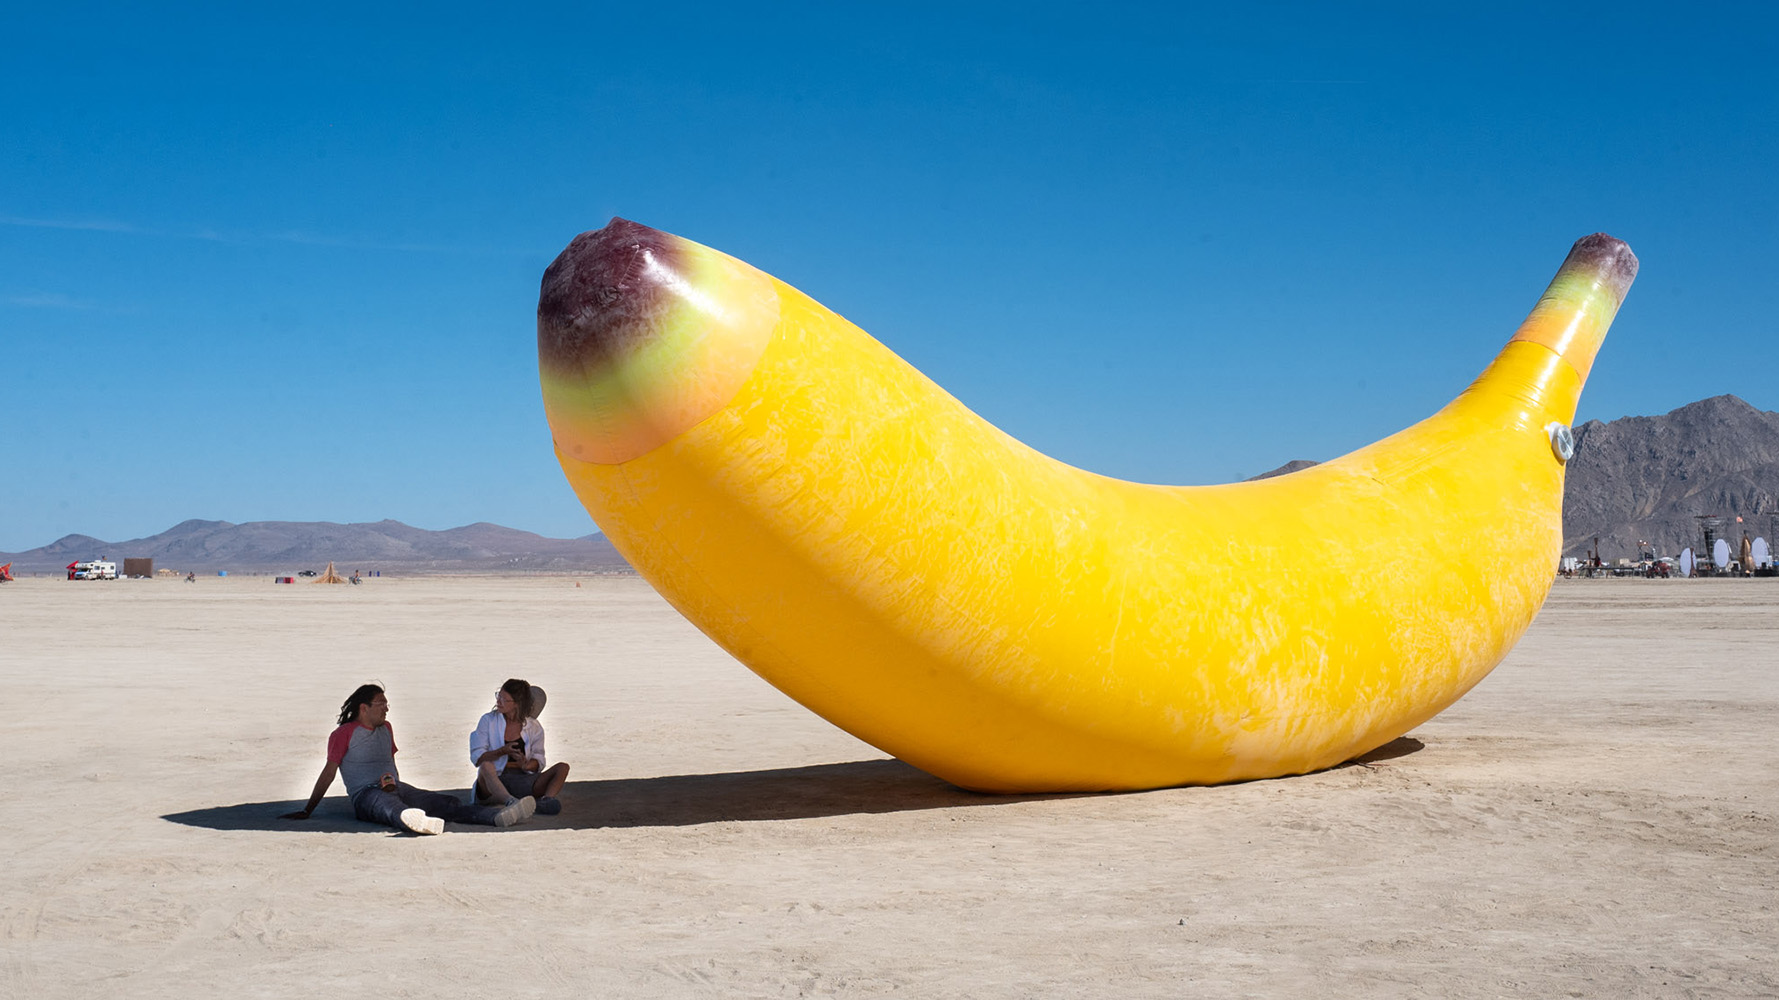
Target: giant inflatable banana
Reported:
[(1007, 622)]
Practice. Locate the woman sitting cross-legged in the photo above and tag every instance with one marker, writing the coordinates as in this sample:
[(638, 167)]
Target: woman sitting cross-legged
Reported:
[(507, 748)]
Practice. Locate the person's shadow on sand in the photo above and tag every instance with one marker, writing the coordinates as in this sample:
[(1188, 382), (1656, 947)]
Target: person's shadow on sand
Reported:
[(857, 787)]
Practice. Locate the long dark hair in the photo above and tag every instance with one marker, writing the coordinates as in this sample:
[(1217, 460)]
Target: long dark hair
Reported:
[(362, 696), (521, 694)]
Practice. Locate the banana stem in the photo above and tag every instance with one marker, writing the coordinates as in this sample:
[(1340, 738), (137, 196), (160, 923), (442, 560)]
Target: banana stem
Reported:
[(1573, 315)]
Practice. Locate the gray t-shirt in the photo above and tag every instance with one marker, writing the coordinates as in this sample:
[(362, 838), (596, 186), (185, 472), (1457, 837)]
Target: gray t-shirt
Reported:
[(363, 755)]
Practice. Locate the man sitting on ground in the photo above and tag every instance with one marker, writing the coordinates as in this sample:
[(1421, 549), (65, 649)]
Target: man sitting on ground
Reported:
[(362, 752)]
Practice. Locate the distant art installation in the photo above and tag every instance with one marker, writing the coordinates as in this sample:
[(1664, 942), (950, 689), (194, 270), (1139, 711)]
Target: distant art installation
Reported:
[(1009, 623)]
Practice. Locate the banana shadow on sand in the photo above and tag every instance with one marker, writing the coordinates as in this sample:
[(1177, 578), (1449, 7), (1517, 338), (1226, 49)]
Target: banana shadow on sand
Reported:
[(820, 790)]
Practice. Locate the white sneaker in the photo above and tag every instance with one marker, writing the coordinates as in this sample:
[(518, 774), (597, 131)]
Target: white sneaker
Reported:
[(417, 821), (516, 811)]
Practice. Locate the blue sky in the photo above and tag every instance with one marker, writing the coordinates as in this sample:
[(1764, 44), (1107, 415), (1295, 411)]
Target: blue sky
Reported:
[(283, 264)]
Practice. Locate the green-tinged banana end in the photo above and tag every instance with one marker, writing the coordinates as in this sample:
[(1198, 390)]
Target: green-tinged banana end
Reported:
[(641, 335), (1576, 310), (1605, 261)]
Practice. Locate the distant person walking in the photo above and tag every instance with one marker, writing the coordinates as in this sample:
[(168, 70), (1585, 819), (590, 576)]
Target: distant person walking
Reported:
[(362, 752)]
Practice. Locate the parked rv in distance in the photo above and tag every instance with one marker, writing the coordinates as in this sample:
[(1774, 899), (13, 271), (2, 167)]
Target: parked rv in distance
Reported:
[(95, 569)]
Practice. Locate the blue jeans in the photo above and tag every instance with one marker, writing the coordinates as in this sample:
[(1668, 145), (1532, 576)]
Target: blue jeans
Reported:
[(374, 805)]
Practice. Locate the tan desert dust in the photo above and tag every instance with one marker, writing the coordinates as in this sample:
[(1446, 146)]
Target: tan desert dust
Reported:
[(1597, 819)]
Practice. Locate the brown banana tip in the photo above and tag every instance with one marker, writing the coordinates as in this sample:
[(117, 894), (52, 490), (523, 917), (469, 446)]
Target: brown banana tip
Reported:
[(600, 294), (1608, 257)]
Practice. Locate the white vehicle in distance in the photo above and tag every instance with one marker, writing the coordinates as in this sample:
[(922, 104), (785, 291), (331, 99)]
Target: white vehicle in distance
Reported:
[(93, 569)]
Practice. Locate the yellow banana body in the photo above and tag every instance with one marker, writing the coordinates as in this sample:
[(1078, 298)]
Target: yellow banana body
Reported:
[(917, 577)]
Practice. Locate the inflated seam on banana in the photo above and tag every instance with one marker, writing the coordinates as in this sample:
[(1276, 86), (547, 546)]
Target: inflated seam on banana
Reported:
[(864, 542)]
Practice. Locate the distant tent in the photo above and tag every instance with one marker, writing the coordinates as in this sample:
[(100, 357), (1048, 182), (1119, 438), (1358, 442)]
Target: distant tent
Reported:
[(330, 576)]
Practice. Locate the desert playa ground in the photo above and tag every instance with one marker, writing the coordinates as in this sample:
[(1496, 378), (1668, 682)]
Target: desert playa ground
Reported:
[(1600, 818)]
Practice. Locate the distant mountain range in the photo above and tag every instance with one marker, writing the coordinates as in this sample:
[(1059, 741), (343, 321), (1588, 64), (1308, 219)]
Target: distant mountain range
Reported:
[(1647, 479), (1633, 479), (293, 546)]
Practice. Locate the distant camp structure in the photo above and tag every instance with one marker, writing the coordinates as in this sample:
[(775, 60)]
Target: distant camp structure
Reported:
[(138, 569), (6, 573), (330, 576)]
